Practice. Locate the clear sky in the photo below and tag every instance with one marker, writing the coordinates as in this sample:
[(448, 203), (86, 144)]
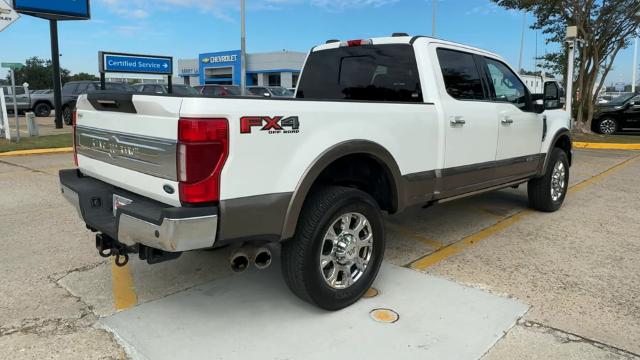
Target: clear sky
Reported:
[(185, 28)]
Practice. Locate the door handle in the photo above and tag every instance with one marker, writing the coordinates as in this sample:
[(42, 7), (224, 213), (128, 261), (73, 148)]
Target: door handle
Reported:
[(507, 120), (457, 121)]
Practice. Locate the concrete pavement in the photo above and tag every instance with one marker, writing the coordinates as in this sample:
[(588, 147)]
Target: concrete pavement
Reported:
[(577, 269)]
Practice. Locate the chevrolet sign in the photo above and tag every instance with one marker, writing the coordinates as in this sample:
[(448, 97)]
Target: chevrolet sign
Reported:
[(220, 59)]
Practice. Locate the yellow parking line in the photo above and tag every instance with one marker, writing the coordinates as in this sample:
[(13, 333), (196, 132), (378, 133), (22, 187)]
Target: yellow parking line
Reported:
[(457, 247), (124, 291), (605, 146), (37, 151), (413, 235)]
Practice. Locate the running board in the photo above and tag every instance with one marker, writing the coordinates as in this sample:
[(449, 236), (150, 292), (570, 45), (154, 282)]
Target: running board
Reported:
[(482, 191)]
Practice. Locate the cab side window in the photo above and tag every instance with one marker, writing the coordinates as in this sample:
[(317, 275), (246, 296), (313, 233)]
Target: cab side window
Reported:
[(461, 75), (507, 86)]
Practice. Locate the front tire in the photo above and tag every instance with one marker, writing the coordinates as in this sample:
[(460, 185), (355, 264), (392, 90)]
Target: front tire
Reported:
[(548, 192), (67, 115), (337, 250)]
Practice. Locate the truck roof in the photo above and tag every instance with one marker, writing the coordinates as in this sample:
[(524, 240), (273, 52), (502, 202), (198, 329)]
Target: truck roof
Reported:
[(406, 40)]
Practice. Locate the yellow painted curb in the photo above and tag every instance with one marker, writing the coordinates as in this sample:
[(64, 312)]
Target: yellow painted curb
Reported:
[(124, 290), (448, 251), (605, 146), (37, 151)]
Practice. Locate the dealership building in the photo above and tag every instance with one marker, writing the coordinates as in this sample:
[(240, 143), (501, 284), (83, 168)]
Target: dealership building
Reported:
[(280, 68)]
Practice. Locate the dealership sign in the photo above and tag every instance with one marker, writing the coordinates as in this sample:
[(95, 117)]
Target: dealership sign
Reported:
[(138, 64), (7, 15), (54, 9), (220, 59)]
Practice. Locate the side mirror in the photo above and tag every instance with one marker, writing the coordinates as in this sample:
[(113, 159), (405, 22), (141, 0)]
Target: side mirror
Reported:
[(551, 96), (266, 94)]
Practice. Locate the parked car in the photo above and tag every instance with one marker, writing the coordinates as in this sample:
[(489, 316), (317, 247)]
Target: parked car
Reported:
[(178, 89), (221, 90), (620, 114), (269, 91), (378, 125), (73, 89), (40, 103), (23, 98)]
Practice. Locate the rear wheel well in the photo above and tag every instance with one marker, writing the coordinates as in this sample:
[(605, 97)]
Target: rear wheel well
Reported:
[(363, 172), (42, 102)]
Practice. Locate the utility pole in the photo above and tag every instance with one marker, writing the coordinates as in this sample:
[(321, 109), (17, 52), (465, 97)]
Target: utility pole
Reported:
[(57, 82), (434, 12), (524, 26), (243, 48)]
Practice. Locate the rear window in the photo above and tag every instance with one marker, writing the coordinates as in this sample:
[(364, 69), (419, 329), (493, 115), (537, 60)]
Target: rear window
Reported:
[(385, 73)]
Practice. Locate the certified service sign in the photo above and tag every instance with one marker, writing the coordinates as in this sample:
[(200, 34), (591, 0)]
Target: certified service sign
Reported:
[(7, 15), (139, 64)]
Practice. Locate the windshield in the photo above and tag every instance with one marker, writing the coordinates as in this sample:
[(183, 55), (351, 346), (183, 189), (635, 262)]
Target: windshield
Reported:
[(280, 91), (621, 99)]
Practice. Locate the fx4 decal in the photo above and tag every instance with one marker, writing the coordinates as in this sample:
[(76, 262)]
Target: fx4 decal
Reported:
[(273, 125)]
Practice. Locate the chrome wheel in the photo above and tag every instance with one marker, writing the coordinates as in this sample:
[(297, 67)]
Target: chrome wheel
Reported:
[(608, 126), (558, 181), (347, 247)]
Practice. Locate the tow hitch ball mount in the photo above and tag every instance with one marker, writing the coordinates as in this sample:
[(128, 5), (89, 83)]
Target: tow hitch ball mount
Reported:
[(107, 247)]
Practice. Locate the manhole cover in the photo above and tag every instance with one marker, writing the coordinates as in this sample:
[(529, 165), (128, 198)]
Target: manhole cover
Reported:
[(371, 293)]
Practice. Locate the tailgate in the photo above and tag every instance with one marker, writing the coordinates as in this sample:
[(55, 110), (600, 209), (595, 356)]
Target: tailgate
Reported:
[(129, 141)]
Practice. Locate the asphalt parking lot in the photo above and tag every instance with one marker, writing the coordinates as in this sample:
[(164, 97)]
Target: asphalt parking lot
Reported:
[(482, 277)]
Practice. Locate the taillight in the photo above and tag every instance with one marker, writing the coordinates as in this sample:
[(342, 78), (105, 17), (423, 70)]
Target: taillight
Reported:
[(352, 43), (203, 148), (74, 119)]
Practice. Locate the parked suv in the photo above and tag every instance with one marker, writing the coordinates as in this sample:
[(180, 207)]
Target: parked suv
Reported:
[(73, 89), (620, 114), (378, 126)]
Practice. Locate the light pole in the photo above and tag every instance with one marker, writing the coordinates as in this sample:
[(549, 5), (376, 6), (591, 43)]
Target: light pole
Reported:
[(524, 26), (434, 11), (635, 65), (243, 49)]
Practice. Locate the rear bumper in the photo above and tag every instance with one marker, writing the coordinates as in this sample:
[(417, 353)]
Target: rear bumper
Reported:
[(144, 221)]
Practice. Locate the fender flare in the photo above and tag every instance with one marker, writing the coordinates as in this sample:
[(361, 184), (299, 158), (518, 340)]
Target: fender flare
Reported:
[(560, 133), (352, 147)]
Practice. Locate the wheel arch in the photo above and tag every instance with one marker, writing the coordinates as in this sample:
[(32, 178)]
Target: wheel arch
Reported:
[(562, 140), (331, 156)]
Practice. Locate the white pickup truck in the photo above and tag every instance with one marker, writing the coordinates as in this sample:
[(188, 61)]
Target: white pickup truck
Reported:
[(377, 125)]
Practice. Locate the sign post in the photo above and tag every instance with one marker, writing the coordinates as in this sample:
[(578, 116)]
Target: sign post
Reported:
[(12, 67), (4, 119), (7, 15), (111, 62), (54, 11)]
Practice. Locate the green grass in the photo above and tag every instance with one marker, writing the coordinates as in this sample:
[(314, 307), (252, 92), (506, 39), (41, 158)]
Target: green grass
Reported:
[(607, 139), (42, 142)]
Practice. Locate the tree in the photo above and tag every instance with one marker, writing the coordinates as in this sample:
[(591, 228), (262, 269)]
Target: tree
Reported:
[(38, 73), (83, 76), (606, 26)]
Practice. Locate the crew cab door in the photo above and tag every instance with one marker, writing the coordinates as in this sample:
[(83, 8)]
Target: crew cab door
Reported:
[(520, 127), (471, 132), (631, 117)]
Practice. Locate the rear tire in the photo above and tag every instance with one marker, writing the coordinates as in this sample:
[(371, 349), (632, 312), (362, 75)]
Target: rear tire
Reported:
[(548, 192), (607, 126), (42, 110), (327, 263)]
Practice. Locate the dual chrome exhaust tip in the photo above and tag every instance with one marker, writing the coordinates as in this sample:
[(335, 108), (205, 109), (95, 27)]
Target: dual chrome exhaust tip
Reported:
[(247, 254)]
